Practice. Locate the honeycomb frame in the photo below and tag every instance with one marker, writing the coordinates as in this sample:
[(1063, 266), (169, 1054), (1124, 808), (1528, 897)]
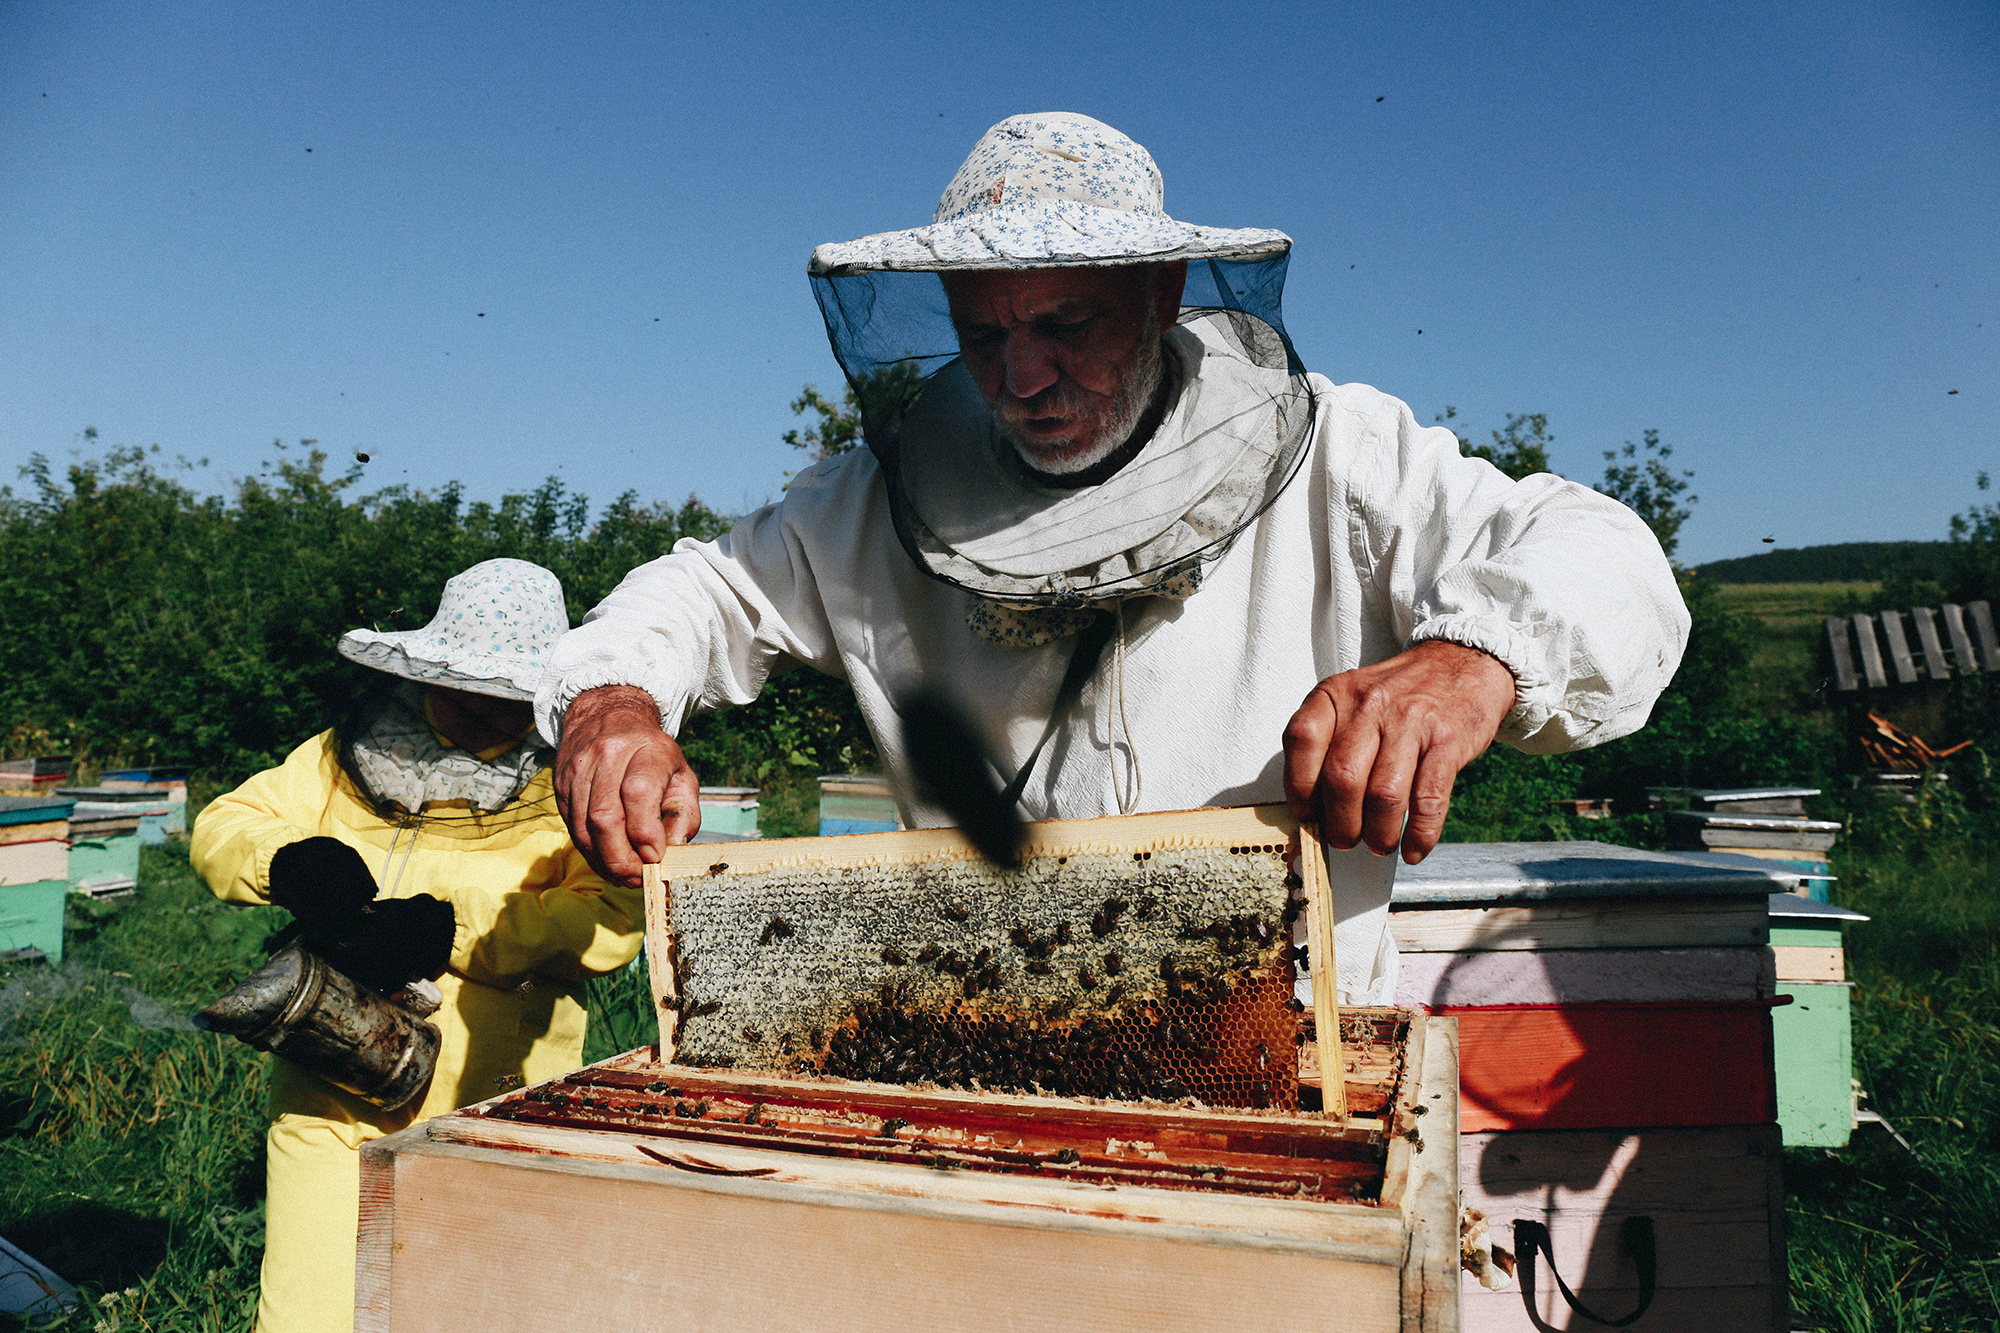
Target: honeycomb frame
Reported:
[(850, 956)]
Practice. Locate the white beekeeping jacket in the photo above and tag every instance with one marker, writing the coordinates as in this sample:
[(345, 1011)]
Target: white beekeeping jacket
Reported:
[(1388, 537)]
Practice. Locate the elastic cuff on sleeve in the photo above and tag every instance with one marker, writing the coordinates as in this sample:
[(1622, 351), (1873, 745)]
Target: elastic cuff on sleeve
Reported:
[(555, 696), (1535, 695)]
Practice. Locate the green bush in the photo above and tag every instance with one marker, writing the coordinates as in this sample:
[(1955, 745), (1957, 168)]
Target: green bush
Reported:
[(141, 622)]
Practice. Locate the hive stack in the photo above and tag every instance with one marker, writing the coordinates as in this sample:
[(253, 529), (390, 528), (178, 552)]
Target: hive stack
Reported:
[(857, 803), (173, 780), (107, 828), (728, 814), (1614, 1011), (1768, 823), (1814, 1033), (34, 875), (37, 776)]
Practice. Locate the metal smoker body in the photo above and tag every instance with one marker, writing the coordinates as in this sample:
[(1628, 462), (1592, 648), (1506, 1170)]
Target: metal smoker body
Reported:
[(300, 1007)]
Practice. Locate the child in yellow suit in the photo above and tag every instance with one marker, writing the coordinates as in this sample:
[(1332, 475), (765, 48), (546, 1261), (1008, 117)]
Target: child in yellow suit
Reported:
[(444, 791)]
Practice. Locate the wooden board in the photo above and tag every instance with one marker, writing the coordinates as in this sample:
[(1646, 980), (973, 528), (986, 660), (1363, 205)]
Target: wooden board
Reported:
[(450, 1210), (1614, 1065), (1803, 962), (1583, 976), (33, 862), (1242, 827), (53, 828), (1594, 923), (1716, 1197)]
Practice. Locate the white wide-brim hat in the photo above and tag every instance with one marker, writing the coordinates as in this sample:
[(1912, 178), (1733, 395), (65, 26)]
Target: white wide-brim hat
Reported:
[(1051, 189), (495, 626)]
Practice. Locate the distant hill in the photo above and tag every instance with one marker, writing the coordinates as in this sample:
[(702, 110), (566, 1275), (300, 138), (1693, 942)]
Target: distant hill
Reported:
[(1844, 562)]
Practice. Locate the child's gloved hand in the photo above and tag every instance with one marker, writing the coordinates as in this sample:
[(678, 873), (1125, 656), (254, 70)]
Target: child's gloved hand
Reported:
[(397, 941), (323, 883)]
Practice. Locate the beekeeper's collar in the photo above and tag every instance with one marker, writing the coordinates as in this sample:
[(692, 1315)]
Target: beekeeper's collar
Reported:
[(1063, 190)]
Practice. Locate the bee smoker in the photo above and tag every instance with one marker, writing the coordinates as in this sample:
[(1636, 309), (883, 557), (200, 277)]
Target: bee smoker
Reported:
[(301, 1007)]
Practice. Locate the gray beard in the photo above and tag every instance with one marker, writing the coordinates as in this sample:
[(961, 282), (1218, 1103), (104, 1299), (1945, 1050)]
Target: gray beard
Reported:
[(1134, 396)]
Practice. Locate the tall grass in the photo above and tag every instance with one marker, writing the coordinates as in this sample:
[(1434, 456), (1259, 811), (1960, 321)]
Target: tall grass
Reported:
[(130, 1144), (1883, 1238)]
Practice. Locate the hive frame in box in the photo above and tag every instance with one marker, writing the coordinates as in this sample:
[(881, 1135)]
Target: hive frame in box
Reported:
[(764, 1201), (715, 1234), (1215, 826)]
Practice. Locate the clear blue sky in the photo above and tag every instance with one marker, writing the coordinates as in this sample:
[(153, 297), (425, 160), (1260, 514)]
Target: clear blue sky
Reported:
[(1771, 231)]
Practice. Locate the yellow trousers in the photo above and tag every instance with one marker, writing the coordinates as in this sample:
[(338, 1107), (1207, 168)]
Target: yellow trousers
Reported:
[(312, 1213)]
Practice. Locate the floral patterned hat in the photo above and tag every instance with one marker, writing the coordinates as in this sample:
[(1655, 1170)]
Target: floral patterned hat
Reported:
[(494, 629), (1051, 188)]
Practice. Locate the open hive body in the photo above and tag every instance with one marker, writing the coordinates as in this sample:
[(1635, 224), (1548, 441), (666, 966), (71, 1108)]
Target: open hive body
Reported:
[(746, 1186)]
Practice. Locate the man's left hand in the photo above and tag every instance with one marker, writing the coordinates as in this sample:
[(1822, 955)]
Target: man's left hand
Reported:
[(1373, 753)]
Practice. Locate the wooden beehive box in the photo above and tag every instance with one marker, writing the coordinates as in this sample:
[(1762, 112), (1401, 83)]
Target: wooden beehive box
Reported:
[(748, 1197)]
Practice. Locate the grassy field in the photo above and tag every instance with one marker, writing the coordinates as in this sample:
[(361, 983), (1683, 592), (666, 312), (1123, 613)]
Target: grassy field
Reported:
[(1792, 616), (130, 1145)]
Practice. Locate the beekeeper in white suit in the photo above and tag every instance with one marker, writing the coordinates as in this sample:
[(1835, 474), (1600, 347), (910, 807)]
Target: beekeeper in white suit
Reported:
[(1090, 440)]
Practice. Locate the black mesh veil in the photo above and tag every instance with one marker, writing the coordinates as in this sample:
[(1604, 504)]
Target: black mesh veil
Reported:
[(892, 334)]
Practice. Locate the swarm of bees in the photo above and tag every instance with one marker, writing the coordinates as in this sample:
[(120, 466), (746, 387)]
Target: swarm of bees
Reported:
[(1150, 1054)]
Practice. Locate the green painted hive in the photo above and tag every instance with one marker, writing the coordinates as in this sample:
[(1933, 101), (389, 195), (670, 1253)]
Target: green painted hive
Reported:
[(31, 917), (1812, 1037)]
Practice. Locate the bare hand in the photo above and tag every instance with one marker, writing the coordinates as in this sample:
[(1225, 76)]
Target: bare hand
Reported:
[(622, 784), (1371, 748)]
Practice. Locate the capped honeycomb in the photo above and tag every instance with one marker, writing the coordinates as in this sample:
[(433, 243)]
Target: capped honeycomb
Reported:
[(1163, 973)]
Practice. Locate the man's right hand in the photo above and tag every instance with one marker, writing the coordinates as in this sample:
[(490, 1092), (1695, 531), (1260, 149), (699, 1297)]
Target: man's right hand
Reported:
[(622, 784)]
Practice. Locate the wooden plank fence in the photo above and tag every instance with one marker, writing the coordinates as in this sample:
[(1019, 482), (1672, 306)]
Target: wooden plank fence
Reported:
[(1868, 650)]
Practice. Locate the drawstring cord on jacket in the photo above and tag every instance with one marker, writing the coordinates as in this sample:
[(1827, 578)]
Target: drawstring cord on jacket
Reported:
[(413, 823), (1125, 807), (1090, 645)]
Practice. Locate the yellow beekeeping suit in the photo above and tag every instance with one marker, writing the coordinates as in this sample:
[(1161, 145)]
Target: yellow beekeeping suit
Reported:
[(533, 922)]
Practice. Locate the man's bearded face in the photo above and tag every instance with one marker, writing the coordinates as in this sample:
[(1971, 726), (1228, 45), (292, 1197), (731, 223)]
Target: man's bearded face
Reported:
[(1069, 359)]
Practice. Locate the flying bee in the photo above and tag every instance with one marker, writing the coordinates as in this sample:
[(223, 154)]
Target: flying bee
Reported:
[(893, 956), (956, 910)]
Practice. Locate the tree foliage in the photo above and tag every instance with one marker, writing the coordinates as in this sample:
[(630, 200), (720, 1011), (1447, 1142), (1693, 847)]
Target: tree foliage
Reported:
[(837, 429), (1645, 484), (143, 621), (1520, 448)]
